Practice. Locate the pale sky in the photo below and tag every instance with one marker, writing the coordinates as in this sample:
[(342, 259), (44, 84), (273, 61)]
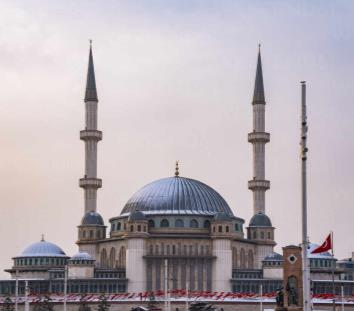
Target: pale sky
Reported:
[(175, 82)]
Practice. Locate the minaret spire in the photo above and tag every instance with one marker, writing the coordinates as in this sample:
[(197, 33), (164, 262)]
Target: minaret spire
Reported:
[(90, 183), (258, 138)]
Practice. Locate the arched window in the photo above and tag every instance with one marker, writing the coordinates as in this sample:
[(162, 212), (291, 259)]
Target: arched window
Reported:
[(122, 257), (157, 249), (151, 223), (207, 224), (98, 234), (262, 234), (131, 228), (250, 259), (269, 236), (113, 227), (151, 249), (91, 234), (255, 234), (139, 228), (220, 228), (190, 249), (173, 249), (179, 223), (103, 259), (112, 258), (227, 229), (242, 259), (84, 234), (236, 227), (234, 257), (119, 226), (164, 223), (168, 249), (194, 223), (184, 249)]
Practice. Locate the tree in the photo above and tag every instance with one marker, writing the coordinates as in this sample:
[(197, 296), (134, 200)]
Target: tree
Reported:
[(152, 303), (8, 304), (103, 304), (44, 304), (83, 304)]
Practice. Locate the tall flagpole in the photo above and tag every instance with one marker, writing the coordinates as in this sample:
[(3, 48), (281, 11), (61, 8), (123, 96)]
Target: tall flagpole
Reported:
[(333, 265), (305, 265)]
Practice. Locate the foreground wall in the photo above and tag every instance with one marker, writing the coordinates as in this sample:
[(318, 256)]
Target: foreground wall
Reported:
[(181, 306)]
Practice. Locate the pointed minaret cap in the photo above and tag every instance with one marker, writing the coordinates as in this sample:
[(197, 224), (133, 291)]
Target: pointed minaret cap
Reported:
[(91, 92), (258, 95), (177, 169)]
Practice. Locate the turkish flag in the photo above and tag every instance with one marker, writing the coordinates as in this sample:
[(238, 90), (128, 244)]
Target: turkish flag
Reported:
[(326, 246)]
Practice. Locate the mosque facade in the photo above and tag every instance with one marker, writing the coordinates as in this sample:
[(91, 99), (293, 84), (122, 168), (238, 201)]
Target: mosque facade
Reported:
[(174, 233)]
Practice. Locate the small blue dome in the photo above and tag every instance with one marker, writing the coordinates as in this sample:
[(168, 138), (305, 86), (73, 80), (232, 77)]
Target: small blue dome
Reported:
[(43, 249), (273, 257), (82, 256), (221, 216), (92, 218), (136, 216), (177, 196), (260, 220)]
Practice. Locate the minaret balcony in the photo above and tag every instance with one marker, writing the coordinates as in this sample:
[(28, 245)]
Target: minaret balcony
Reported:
[(258, 137), (91, 135), (90, 183), (258, 184)]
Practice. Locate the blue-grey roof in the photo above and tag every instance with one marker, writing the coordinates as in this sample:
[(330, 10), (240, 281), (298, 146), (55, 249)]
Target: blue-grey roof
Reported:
[(260, 220), (43, 249), (137, 215), (273, 257), (177, 196), (82, 256), (92, 218), (221, 216)]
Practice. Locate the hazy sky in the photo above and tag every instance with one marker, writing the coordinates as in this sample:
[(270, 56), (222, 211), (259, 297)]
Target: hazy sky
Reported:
[(175, 81)]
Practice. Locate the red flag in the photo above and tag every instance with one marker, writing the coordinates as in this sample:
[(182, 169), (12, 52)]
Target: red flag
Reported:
[(326, 246)]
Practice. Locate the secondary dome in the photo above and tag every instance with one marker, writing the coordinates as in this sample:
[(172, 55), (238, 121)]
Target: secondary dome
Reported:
[(43, 249), (177, 196), (92, 218), (260, 220)]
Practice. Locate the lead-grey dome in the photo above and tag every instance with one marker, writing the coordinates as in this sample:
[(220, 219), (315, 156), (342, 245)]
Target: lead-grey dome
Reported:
[(137, 215), (260, 220), (92, 218), (43, 249), (177, 196)]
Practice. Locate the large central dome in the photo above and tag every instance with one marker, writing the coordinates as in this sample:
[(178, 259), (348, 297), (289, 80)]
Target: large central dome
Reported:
[(177, 196)]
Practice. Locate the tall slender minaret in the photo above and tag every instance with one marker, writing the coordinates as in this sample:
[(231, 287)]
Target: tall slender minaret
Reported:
[(90, 183), (258, 138)]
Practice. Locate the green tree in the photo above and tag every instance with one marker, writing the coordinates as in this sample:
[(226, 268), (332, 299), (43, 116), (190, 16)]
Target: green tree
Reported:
[(44, 304), (8, 304), (103, 304), (83, 304)]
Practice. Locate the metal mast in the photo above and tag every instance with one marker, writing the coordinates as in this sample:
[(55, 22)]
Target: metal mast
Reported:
[(258, 138), (90, 183), (305, 263)]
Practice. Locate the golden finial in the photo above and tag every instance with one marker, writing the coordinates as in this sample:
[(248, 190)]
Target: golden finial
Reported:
[(177, 169)]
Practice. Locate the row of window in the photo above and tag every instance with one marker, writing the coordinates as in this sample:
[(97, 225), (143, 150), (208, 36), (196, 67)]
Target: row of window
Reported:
[(90, 234), (262, 235), (323, 263), (272, 263), (113, 275), (185, 250), (178, 223), (40, 261)]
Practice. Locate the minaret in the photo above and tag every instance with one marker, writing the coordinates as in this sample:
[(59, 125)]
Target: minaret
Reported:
[(258, 138), (90, 183)]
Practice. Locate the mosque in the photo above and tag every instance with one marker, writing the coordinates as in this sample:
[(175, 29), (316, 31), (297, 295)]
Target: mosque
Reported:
[(174, 232)]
